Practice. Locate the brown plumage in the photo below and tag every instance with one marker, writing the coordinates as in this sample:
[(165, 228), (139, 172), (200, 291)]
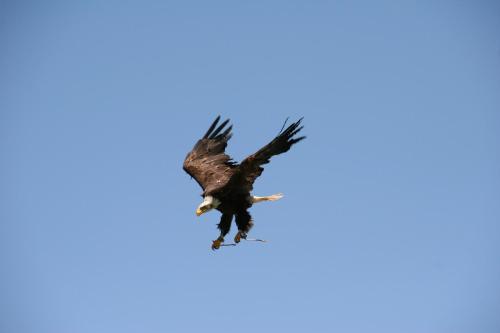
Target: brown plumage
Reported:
[(226, 184)]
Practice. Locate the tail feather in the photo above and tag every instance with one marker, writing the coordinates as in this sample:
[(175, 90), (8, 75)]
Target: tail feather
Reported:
[(273, 197)]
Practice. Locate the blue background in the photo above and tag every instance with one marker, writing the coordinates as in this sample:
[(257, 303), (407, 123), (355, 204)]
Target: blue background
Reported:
[(390, 221)]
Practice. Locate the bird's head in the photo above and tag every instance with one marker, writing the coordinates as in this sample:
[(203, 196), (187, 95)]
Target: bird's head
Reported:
[(208, 204)]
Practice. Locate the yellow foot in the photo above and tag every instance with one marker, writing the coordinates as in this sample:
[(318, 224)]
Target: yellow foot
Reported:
[(239, 236), (217, 243)]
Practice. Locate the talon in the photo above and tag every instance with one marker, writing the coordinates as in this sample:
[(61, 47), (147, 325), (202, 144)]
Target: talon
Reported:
[(217, 243), (240, 235)]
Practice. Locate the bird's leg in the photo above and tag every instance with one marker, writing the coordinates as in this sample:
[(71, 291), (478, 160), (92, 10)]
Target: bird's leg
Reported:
[(217, 243), (224, 226), (244, 223), (273, 197)]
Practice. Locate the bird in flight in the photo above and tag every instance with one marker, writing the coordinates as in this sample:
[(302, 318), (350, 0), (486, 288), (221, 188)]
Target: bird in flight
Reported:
[(227, 185)]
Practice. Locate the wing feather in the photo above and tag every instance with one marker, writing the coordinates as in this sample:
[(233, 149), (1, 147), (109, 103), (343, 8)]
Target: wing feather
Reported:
[(251, 167), (207, 163)]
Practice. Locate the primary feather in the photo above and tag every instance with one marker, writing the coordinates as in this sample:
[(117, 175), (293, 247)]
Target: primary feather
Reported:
[(250, 168)]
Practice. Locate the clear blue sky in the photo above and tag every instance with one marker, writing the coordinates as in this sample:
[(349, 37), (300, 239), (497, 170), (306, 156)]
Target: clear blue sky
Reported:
[(391, 216)]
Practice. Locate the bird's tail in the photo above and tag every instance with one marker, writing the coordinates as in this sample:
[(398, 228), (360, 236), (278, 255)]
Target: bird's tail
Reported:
[(273, 197)]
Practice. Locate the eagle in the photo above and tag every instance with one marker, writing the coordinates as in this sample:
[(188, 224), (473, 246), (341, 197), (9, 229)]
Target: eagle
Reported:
[(227, 185)]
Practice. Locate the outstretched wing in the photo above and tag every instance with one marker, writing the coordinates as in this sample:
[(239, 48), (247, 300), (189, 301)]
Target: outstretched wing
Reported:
[(207, 163), (250, 168)]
